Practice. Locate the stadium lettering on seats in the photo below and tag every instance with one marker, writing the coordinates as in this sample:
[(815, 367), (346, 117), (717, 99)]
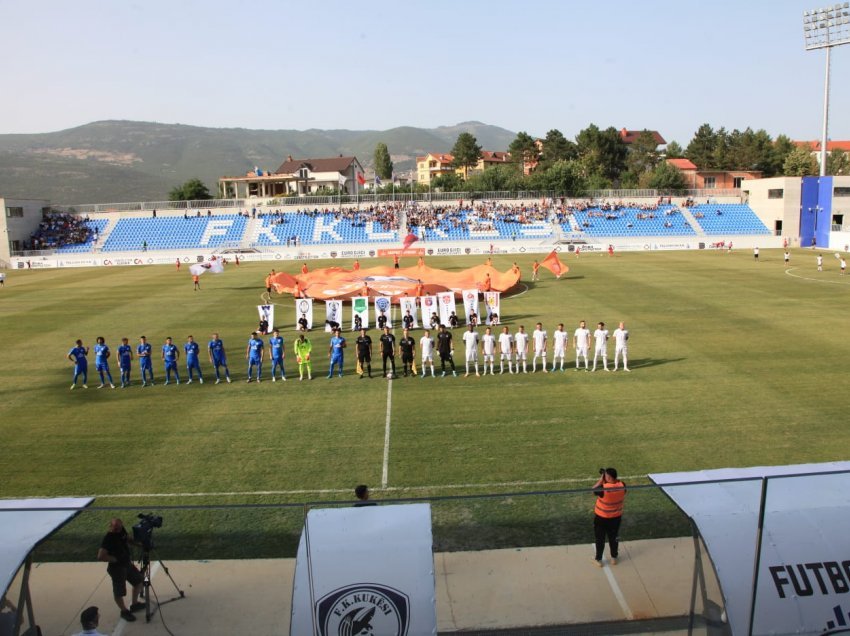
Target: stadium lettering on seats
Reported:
[(807, 579), (215, 228)]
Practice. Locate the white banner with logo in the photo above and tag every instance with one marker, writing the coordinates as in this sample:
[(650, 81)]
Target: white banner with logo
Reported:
[(470, 304), (333, 315), (266, 313), (383, 307), (408, 306), (492, 304), (304, 309), (446, 302), (428, 305), (385, 586), (360, 308)]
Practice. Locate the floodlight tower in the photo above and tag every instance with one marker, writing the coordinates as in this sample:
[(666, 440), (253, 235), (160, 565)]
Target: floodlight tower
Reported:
[(824, 29)]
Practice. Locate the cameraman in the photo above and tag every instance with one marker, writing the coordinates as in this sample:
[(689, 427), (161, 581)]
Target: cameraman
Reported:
[(610, 493), (115, 550)]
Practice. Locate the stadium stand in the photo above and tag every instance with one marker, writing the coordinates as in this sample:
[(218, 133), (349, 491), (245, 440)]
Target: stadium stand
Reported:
[(66, 233), (728, 219), (167, 233), (318, 228), (663, 220)]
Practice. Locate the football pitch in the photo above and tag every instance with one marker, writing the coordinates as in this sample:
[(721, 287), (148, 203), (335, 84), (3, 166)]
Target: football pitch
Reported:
[(734, 363)]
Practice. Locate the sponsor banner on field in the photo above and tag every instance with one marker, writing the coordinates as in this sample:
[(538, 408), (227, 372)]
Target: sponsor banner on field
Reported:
[(446, 302), (266, 313), (304, 309), (383, 312), (428, 306), (360, 309), (408, 313), (333, 315), (400, 251), (492, 305), (470, 303)]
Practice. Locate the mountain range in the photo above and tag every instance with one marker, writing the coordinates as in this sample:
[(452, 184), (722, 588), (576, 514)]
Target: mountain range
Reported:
[(112, 161)]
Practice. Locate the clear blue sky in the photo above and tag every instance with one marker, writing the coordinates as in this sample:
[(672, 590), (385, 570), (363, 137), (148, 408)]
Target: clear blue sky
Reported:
[(524, 65)]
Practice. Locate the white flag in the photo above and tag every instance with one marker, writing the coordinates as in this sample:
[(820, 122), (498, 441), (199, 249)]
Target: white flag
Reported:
[(470, 303), (304, 309), (383, 307), (446, 301), (215, 266), (408, 306), (428, 305), (342, 180), (492, 303), (333, 315), (360, 308), (267, 314)]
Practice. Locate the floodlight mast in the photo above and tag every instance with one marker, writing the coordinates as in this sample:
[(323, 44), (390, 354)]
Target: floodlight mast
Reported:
[(825, 29)]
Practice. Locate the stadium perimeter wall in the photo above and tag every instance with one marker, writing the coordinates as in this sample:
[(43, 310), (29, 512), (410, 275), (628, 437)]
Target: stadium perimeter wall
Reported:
[(365, 251)]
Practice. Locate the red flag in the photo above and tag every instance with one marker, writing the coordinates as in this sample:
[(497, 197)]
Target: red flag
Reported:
[(410, 239), (554, 264), (361, 179)]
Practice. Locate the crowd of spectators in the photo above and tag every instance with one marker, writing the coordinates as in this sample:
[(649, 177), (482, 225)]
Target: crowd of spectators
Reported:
[(58, 229)]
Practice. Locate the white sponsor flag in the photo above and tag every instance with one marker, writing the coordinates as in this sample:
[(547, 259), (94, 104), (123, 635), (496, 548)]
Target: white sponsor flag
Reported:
[(360, 307), (215, 266), (304, 309), (383, 307), (470, 303), (267, 313), (446, 301), (492, 303), (333, 315), (409, 305), (428, 305)]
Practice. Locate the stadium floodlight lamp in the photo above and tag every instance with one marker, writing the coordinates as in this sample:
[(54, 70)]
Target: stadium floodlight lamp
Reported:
[(825, 28)]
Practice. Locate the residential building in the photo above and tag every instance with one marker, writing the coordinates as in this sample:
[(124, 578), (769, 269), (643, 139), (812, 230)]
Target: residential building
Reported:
[(711, 179), (630, 136), (432, 165), (295, 177)]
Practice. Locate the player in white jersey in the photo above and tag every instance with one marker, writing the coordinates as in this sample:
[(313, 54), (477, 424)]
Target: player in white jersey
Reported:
[(470, 339), (506, 343), (601, 337), (426, 346), (488, 348), (621, 346), (559, 345), (581, 339), (539, 339), (521, 348), (820, 263)]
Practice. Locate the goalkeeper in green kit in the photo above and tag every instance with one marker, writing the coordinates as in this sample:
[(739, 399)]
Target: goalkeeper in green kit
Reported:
[(303, 347)]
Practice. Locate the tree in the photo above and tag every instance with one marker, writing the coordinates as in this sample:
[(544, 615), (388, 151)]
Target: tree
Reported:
[(564, 177), (556, 147), (602, 152), (838, 163), (466, 152), (192, 190), (663, 177), (505, 177), (800, 163), (383, 163), (523, 150), (782, 145), (447, 182), (701, 148), (643, 154), (674, 150)]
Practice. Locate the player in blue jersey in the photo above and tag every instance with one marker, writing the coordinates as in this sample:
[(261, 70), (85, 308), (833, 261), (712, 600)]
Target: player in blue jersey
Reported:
[(218, 357), (254, 354), (77, 355), (335, 352), (125, 359), (170, 355), (101, 362), (277, 354), (143, 351), (192, 363)]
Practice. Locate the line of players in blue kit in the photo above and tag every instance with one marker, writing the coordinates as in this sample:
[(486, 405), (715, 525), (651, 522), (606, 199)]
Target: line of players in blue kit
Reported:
[(170, 355)]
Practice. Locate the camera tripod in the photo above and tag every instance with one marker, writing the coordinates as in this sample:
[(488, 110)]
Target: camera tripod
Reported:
[(145, 562)]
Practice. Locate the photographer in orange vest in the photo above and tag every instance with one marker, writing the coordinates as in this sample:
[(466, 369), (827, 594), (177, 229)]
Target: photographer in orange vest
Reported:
[(610, 494)]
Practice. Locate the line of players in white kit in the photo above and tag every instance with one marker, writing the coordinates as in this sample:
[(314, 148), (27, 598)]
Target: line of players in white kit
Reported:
[(514, 350)]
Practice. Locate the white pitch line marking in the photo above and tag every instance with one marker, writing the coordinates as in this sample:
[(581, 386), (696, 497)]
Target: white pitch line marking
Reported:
[(618, 593), (386, 465), (815, 280)]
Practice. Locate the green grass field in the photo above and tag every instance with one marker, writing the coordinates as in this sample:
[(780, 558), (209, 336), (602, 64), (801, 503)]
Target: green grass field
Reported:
[(735, 363)]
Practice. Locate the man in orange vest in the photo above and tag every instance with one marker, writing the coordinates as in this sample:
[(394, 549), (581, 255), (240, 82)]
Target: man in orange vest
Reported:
[(610, 493)]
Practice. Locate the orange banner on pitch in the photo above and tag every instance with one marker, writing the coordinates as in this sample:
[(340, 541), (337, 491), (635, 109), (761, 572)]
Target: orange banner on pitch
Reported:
[(400, 251), (554, 264)]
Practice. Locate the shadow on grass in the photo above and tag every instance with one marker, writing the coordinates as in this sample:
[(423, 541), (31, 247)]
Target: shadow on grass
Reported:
[(643, 363)]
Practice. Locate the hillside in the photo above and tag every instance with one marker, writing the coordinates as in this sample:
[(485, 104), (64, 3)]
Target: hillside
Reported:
[(127, 161)]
